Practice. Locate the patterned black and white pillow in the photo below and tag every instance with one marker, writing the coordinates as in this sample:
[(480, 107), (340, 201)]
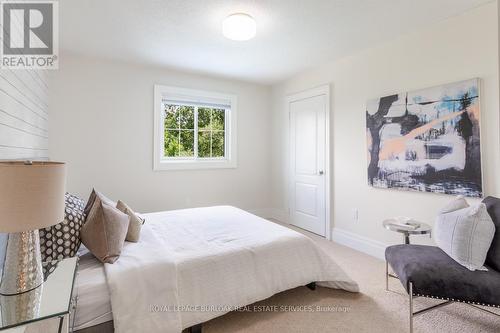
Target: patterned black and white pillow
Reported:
[(63, 240)]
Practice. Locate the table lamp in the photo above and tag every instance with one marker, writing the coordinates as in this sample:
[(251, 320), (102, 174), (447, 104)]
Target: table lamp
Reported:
[(31, 198)]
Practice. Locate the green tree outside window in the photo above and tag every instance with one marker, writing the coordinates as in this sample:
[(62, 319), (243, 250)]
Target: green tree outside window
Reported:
[(180, 129)]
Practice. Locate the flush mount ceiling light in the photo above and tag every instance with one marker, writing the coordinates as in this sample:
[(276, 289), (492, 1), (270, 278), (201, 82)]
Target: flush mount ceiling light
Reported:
[(239, 27)]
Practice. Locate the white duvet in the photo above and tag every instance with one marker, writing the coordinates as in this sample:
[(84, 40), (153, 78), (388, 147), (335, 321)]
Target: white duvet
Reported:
[(196, 264)]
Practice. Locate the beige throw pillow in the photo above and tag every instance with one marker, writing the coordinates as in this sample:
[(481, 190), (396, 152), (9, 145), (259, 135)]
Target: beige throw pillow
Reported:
[(105, 230), (134, 227), (91, 200)]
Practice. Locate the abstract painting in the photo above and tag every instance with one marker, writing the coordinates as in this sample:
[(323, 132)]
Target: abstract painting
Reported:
[(427, 140)]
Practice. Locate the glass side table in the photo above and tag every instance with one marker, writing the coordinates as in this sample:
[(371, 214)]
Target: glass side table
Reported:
[(52, 302), (422, 229)]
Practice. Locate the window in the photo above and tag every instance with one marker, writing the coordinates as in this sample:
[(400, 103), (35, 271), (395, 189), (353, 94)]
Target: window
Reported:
[(194, 129)]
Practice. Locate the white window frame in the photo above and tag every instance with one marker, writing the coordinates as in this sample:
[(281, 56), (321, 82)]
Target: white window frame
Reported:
[(200, 97)]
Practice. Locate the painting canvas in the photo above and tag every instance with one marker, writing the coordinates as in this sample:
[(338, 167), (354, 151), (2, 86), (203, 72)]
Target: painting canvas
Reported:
[(427, 140)]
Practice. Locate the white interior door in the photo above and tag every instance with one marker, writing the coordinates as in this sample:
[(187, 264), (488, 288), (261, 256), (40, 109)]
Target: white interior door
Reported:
[(308, 162)]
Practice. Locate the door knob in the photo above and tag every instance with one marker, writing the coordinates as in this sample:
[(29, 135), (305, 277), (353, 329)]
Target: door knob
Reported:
[(321, 172)]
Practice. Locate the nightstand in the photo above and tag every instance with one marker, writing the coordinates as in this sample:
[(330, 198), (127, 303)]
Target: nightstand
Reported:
[(48, 308)]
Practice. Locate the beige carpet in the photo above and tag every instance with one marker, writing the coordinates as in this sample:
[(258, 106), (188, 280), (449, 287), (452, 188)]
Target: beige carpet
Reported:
[(372, 310)]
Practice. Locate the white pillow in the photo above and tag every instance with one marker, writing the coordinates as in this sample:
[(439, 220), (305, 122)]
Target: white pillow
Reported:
[(465, 233), (458, 203)]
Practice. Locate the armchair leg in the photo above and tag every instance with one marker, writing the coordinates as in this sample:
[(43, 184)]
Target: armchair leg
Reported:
[(386, 276), (311, 285), (195, 329), (410, 293)]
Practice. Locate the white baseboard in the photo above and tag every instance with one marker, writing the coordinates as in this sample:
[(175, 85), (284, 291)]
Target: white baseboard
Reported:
[(360, 243)]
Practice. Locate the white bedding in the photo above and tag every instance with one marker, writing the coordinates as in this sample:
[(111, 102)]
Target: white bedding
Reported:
[(214, 256), (94, 304)]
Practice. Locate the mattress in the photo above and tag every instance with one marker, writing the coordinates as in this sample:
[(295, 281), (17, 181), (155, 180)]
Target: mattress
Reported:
[(94, 304)]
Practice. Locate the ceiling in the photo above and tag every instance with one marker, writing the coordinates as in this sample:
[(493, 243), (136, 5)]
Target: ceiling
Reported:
[(292, 35)]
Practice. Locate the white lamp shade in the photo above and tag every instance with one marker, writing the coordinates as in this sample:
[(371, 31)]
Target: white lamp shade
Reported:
[(31, 195)]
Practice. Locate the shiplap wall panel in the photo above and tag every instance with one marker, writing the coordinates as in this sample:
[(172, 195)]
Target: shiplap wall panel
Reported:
[(22, 154), (22, 97), (21, 139), (39, 89), (7, 120), (24, 110), (16, 110), (37, 93), (24, 119)]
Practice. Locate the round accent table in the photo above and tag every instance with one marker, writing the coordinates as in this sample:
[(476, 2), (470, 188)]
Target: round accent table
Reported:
[(423, 229)]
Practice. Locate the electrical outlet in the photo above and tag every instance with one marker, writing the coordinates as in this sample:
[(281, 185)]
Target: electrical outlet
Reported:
[(355, 215)]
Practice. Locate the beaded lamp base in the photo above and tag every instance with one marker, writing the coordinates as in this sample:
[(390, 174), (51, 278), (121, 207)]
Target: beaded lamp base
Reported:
[(22, 267)]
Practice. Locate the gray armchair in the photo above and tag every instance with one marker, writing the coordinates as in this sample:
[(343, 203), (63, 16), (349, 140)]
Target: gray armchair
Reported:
[(426, 271)]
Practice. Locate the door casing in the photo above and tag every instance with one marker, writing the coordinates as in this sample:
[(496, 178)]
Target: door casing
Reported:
[(318, 91)]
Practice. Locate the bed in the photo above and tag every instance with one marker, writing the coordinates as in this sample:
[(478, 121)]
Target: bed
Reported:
[(94, 303), (193, 265)]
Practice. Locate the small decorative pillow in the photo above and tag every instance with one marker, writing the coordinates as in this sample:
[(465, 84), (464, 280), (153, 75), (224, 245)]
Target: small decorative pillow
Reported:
[(465, 234), (134, 227), (93, 196), (63, 240), (458, 203), (104, 230)]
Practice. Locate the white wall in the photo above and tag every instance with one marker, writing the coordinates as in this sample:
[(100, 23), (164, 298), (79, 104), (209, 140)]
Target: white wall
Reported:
[(460, 48), (102, 126)]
